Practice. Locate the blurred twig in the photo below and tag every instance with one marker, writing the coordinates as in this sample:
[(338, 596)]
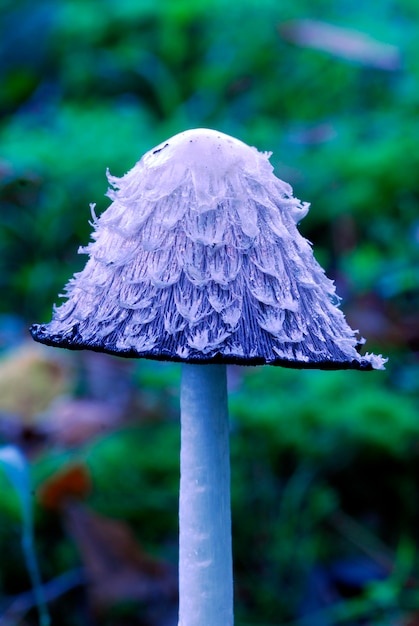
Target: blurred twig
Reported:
[(364, 540), (52, 590)]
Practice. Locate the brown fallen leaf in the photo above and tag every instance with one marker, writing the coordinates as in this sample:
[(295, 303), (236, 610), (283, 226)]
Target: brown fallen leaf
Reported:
[(117, 567), (71, 482), (31, 377), (74, 421)]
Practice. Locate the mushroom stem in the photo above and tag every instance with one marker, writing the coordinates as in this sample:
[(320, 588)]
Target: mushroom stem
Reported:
[(205, 554)]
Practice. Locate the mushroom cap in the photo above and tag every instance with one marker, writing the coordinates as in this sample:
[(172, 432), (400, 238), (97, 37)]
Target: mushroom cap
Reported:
[(199, 259)]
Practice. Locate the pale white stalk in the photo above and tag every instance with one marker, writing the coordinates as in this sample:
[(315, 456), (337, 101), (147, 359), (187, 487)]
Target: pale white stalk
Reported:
[(205, 555)]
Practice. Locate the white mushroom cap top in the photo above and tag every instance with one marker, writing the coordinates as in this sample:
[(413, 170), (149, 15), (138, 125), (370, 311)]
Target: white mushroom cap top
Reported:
[(199, 259)]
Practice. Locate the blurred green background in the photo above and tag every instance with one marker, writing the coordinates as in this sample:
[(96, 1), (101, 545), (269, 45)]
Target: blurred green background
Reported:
[(324, 464)]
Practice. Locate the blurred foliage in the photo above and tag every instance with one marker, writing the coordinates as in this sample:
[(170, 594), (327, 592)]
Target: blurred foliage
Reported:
[(324, 468), (85, 89), (324, 464)]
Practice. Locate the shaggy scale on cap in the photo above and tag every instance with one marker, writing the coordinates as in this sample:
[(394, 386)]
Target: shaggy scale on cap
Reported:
[(199, 259)]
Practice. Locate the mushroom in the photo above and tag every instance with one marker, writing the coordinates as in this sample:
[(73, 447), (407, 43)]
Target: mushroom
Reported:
[(198, 259)]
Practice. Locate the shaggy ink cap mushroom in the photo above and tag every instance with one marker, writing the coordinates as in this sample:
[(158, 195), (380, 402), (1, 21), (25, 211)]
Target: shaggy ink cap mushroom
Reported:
[(199, 259)]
